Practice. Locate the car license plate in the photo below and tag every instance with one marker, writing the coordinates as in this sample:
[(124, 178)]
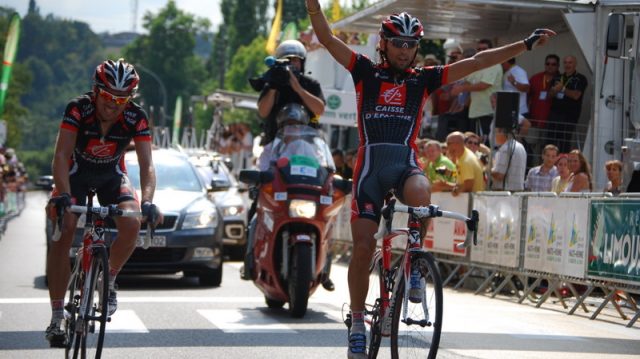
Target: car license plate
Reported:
[(156, 241)]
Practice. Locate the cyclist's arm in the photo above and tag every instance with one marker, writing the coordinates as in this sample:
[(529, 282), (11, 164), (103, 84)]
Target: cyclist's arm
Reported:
[(147, 173), (60, 167), (338, 49), (484, 59)]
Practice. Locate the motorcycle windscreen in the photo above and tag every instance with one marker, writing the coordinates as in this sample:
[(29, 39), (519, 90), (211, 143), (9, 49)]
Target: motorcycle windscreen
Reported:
[(303, 170)]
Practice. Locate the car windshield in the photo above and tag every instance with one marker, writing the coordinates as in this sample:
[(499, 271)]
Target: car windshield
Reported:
[(172, 173)]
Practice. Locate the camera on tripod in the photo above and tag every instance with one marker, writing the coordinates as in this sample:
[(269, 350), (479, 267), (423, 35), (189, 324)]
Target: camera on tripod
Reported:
[(277, 76)]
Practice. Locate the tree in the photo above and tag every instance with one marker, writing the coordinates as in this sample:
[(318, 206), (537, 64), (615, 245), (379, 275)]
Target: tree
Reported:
[(167, 52)]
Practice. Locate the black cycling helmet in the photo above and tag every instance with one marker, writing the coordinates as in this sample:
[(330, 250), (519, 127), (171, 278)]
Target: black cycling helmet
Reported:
[(116, 75), (402, 24), (292, 113)]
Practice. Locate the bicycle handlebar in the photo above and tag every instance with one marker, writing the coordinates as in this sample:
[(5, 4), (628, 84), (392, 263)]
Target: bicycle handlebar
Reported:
[(113, 211), (431, 211)]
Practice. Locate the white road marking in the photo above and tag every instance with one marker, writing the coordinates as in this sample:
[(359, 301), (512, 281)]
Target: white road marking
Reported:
[(244, 321), (126, 321)]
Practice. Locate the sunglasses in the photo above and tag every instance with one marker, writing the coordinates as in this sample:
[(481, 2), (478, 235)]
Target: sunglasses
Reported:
[(551, 64), (118, 100), (401, 43)]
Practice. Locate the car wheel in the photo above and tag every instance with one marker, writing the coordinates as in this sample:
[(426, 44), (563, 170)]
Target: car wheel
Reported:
[(211, 277)]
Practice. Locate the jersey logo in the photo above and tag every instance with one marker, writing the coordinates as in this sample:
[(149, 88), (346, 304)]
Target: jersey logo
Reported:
[(75, 113), (391, 94), (98, 149), (142, 125)]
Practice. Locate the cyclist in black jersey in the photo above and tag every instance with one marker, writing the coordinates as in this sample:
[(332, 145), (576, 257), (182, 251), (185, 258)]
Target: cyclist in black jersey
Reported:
[(390, 97), (96, 128)]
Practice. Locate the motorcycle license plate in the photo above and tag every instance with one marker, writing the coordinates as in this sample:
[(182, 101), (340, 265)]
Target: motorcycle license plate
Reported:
[(156, 241)]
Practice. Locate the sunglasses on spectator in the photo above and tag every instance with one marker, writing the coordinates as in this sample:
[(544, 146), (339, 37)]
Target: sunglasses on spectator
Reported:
[(400, 43), (551, 64), (118, 100)]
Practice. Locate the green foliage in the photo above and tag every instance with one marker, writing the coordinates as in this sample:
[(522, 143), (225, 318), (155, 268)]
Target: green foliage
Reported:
[(37, 163), (168, 52), (247, 62)]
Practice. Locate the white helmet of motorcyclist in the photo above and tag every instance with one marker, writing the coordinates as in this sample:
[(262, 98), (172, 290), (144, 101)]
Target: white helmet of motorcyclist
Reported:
[(292, 114)]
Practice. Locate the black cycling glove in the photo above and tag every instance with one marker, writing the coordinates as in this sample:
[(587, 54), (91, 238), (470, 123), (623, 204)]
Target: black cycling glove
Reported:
[(61, 203), (150, 211), (530, 42)]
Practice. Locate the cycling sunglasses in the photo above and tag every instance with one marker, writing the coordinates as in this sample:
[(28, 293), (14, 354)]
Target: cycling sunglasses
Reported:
[(118, 100), (399, 42)]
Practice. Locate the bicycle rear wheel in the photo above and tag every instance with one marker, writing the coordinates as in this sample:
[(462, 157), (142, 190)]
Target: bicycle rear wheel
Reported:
[(71, 308), (95, 300), (416, 327), (372, 304)]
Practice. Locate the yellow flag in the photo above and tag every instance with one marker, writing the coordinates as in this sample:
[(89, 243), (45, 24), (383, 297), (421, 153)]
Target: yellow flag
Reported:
[(336, 11), (275, 30)]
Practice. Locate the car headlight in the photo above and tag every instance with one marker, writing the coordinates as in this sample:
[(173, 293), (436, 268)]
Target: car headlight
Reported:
[(205, 219), (302, 208), (232, 210)]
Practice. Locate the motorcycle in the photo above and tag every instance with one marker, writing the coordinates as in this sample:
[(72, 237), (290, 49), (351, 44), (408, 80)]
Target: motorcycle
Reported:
[(298, 200)]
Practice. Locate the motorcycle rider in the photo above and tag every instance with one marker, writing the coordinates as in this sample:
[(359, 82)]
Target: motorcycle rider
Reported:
[(294, 116)]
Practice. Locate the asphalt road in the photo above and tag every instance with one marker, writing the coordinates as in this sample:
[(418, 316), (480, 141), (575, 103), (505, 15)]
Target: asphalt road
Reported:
[(172, 317)]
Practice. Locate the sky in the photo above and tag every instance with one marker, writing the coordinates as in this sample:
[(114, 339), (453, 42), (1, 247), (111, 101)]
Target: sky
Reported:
[(116, 15)]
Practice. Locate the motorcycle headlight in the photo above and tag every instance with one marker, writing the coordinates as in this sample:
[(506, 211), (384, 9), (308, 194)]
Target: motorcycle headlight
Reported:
[(205, 219), (302, 208)]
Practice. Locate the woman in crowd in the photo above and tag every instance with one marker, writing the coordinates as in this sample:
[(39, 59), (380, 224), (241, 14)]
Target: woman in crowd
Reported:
[(559, 183), (580, 180)]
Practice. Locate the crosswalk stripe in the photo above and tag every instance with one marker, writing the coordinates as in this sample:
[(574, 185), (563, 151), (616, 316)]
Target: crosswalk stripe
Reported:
[(126, 321), (245, 321)]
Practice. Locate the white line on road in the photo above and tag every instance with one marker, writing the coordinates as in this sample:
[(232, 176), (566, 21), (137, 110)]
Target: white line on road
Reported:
[(126, 321), (245, 321)]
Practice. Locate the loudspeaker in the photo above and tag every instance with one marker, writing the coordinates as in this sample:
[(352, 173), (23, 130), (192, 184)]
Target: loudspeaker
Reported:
[(507, 107)]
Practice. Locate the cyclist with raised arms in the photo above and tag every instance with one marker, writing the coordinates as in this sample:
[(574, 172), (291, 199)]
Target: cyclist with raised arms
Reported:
[(391, 95), (96, 129)]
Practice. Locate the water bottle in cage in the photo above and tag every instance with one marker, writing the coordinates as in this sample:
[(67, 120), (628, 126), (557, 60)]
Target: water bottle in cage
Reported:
[(414, 235)]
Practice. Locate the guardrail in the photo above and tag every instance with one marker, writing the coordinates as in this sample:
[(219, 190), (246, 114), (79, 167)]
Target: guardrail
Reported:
[(585, 245)]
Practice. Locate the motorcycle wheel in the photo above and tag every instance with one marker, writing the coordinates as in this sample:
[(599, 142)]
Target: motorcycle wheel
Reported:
[(299, 280), (274, 304)]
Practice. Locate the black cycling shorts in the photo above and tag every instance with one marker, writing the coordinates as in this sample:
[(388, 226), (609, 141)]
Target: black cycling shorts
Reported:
[(111, 188), (380, 169)]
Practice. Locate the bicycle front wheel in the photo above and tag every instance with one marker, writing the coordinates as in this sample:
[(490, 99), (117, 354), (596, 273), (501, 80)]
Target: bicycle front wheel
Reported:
[(416, 327), (94, 301), (373, 304)]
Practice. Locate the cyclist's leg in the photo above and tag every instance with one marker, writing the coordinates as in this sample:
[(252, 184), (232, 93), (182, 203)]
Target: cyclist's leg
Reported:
[(58, 272), (416, 191)]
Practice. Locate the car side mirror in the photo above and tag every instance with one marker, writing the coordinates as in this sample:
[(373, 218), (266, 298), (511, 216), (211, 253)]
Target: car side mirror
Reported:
[(219, 185), (615, 36)]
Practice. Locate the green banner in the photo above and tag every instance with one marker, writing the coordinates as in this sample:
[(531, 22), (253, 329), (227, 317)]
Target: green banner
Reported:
[(9, 55), (615, 239), (177, 119)]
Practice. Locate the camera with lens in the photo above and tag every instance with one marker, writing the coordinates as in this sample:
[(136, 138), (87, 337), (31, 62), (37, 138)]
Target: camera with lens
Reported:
[(277, 76), (443, 171)]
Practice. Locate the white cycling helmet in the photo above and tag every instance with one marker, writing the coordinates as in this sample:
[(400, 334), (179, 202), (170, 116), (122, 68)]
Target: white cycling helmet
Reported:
[(291, 48)]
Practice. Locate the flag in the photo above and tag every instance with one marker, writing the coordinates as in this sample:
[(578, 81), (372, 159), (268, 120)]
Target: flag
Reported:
[(336, 11), (9, 55), (177, 118), (290, 32), (275, 30)]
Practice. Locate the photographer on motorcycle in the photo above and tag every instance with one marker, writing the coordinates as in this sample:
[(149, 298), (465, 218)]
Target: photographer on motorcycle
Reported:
[(280, 90)]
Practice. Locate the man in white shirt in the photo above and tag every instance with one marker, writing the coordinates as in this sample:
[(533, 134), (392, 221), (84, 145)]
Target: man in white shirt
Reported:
[(515, 79), (509, 164)]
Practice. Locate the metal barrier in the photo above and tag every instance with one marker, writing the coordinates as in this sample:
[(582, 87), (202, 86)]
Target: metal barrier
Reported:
[(581, 244)]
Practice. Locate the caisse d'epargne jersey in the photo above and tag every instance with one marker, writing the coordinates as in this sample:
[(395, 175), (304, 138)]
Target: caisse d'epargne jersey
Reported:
[(390, 111), (99, 152)]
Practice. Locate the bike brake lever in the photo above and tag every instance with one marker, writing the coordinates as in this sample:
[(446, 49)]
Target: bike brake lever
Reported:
[(151, 226)]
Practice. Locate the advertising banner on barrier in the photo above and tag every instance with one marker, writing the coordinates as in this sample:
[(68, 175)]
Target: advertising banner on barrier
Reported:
[(444, 234), (614, 239), (498, 230), (555, 237)]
